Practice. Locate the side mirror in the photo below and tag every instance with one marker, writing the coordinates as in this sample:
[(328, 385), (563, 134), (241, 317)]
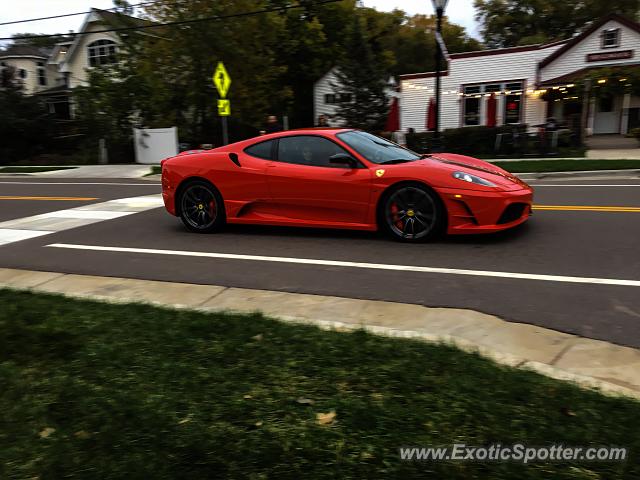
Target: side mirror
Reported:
[(343, 159)]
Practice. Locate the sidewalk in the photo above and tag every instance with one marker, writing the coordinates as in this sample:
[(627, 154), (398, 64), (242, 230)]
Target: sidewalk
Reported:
[(86, 171), (590, 363), (100, 171)]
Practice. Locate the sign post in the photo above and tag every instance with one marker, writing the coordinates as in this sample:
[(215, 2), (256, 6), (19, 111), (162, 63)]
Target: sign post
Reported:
[(222, 81)]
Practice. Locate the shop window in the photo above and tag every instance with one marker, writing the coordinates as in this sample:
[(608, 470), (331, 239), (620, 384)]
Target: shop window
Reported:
[(611, 38), (512, 108), (472, 105), (513, 102)]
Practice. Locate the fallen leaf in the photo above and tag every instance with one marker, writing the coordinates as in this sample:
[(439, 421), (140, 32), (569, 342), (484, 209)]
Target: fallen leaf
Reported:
[(46, 432), (247, 397), (305, 401), (259, 423), (184, 420), (568, 412), (326, 418), (257, 337), (82, 435)]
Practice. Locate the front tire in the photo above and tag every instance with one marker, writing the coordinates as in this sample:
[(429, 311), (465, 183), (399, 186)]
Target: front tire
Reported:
[(412, 213), (201, 207)]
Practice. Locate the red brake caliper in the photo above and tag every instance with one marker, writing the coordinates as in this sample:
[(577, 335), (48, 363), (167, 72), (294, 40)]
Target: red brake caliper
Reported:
[(394, 212)]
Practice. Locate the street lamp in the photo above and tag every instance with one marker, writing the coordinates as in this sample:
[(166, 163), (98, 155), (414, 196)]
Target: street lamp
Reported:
[(438, 6)]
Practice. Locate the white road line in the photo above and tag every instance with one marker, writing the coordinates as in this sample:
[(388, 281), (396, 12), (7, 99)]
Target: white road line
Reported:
[(92, 214), (373, 266), (45, 223), (148, 184), (10, 235)]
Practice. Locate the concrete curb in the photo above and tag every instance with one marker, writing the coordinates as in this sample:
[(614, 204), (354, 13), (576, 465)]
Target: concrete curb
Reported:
[(591, 364), (594, 174)]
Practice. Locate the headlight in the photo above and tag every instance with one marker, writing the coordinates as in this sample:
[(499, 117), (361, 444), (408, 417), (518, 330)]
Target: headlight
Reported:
[(467, 177)]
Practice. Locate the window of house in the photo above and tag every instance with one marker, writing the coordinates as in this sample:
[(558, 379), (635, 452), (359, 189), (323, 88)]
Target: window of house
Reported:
[(472, 105), (345, 97), (308, 150), (102, 52), (611, 38), (42, 74), (22, 73), (329, 98)]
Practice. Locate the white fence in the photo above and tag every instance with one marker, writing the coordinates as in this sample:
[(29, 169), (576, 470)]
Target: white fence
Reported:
[(154, 145)]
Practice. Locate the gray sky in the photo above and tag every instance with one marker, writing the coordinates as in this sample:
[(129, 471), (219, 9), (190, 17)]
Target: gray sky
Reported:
[(459, 11)]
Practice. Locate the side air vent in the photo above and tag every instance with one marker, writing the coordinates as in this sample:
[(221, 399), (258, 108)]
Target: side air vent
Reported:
[(234, 159)]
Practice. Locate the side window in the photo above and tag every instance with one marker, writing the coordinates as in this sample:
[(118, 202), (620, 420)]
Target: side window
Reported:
[(308, 150), (260, 150)]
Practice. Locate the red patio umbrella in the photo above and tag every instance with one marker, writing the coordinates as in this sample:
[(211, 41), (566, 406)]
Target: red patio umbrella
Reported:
[(393, 119), (491, 110), (431, 115)]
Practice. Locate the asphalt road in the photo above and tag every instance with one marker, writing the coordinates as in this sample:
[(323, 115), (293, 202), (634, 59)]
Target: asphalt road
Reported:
[(559, 243)]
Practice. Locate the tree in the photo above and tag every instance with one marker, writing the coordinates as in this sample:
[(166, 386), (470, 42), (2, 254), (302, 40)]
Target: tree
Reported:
[(38, 42), (413, 43), (507, 23), (26, 128), (362, 82)]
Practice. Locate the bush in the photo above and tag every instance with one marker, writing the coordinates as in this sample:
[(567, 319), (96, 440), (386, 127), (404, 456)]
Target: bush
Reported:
[(474, 141), (26, 128), (635, 133)]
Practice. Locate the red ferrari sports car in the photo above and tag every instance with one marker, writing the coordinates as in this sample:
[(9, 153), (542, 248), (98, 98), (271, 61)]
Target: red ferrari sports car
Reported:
[(341, 178)]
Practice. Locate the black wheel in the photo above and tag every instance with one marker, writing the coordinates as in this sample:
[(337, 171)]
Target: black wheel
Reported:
[(412, 213), (201, 207)]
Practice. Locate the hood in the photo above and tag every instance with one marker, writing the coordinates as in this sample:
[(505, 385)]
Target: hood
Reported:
[(484, 169)]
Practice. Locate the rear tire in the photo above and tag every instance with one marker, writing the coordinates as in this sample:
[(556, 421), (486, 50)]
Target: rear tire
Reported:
[(201, 207), (412, 213)]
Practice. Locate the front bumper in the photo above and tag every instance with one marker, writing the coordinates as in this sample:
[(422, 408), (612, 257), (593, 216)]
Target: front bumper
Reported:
[(471, 211)]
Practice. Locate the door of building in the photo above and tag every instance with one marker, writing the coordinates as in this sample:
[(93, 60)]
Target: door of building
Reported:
[(607, 115)]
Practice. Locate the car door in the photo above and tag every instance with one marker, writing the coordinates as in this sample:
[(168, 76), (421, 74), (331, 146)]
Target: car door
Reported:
[(306, 186)]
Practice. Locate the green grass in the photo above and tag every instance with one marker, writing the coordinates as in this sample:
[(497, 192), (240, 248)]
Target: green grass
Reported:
[(565, 165), (138, 392), (18, 169)]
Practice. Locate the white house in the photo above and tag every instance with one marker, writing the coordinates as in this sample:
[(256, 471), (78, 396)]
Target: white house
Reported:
[(532, 83), (30, 67), (326, 97), (53, 74)]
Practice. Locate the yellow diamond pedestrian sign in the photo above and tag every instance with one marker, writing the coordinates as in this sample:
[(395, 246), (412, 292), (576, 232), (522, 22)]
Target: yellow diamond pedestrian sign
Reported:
[(224, 107), (222, 80)]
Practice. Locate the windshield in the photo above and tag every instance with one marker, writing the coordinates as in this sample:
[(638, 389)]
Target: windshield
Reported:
[(377, 149)]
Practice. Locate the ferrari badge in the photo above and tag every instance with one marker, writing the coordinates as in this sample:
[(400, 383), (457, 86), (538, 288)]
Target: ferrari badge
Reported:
[(379, 172)]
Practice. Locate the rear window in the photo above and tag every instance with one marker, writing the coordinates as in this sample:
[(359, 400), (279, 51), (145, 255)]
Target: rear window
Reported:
[(261, 150)]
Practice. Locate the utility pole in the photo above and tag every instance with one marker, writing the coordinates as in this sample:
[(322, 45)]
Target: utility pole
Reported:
[(439, 6)]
